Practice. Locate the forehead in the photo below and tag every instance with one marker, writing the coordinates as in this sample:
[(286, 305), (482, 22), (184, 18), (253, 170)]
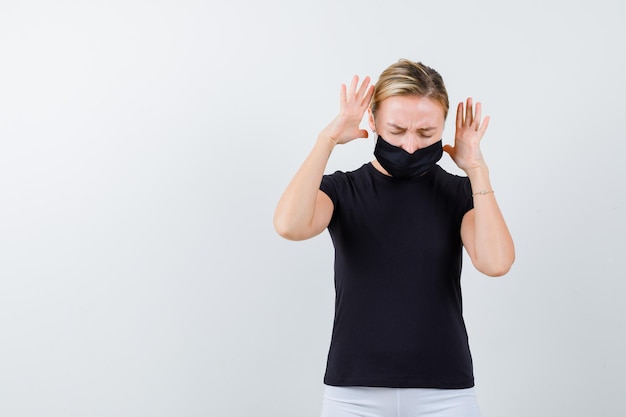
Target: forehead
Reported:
[(409, 110)]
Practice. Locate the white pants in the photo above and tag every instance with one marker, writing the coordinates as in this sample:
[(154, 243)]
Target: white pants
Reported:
[(399, 402)]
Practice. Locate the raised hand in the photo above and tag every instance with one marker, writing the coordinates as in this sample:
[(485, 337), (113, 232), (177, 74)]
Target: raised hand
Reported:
[(353, 102), (469, 131)]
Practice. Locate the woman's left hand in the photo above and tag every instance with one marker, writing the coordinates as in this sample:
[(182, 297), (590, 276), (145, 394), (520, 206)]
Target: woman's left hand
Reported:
[(469, 131)]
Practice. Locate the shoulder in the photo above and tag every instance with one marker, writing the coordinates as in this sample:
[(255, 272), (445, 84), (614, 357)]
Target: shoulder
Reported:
[(456, 189), (362, 170), (449, 180), (339, 182), (338, 177), (445, 176), (455, 186)]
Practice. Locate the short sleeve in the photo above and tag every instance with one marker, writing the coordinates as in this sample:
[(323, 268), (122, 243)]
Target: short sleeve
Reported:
[(330, 186), (466, 192)]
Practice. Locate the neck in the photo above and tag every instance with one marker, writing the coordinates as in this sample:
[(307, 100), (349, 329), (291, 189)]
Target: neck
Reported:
[(379, 167)]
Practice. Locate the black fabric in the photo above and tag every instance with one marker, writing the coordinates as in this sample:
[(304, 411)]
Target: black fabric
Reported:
[(398, 253), (401, 164)]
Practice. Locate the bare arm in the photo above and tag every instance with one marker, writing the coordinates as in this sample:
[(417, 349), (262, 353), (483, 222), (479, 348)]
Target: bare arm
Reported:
[(304, 211), (484, 231)]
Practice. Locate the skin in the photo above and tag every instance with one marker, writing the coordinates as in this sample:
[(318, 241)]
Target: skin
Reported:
[(409, 122), (412, 123)]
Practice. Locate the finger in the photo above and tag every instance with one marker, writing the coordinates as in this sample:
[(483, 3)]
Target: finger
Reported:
[(368, 96), (363, 87), (459, 115), (469, 112), (353, 84), (342, 95), (483, 127), (477, 115)]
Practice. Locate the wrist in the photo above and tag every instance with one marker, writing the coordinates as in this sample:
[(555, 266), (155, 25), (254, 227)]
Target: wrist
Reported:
[(479, 179), (326, 142), (477, 172)]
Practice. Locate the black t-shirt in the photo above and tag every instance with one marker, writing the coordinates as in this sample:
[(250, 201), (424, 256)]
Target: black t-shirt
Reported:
[(398, 253)]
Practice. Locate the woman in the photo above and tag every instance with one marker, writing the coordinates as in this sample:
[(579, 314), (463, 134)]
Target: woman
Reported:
[(399, 345)]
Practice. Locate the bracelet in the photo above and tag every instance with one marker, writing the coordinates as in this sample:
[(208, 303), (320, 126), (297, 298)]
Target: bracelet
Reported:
[(483, 192)]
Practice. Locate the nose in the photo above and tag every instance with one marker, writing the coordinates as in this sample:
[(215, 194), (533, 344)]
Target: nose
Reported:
[(410, 144)]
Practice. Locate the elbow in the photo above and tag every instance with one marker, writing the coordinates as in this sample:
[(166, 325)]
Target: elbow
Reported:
[(285, 233), (282, 229), (498, 268), (285, 230), (498, 271)]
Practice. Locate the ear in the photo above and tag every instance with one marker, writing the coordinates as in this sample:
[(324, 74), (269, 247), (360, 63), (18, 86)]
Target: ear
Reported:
[(370, 120)]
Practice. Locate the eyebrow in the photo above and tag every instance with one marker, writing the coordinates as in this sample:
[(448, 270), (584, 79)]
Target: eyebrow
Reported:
[(395, 126)]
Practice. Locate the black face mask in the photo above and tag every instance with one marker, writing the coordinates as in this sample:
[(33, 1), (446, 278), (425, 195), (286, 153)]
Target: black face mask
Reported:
[(401, 164)]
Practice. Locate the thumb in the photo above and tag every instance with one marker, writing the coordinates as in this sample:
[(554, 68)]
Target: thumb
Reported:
[(362, 134), (448, 149)]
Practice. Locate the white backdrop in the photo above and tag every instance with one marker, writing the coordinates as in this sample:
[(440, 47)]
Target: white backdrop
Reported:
[(144, 145)]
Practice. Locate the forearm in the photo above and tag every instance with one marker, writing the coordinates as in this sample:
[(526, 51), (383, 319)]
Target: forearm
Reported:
[(494, 251), (295, 210)]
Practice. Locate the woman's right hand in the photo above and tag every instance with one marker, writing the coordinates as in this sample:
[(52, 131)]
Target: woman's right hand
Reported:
[(353, 102)]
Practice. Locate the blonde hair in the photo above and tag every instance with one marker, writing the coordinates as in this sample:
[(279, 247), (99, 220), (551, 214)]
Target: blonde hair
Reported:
[(407, 78)]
